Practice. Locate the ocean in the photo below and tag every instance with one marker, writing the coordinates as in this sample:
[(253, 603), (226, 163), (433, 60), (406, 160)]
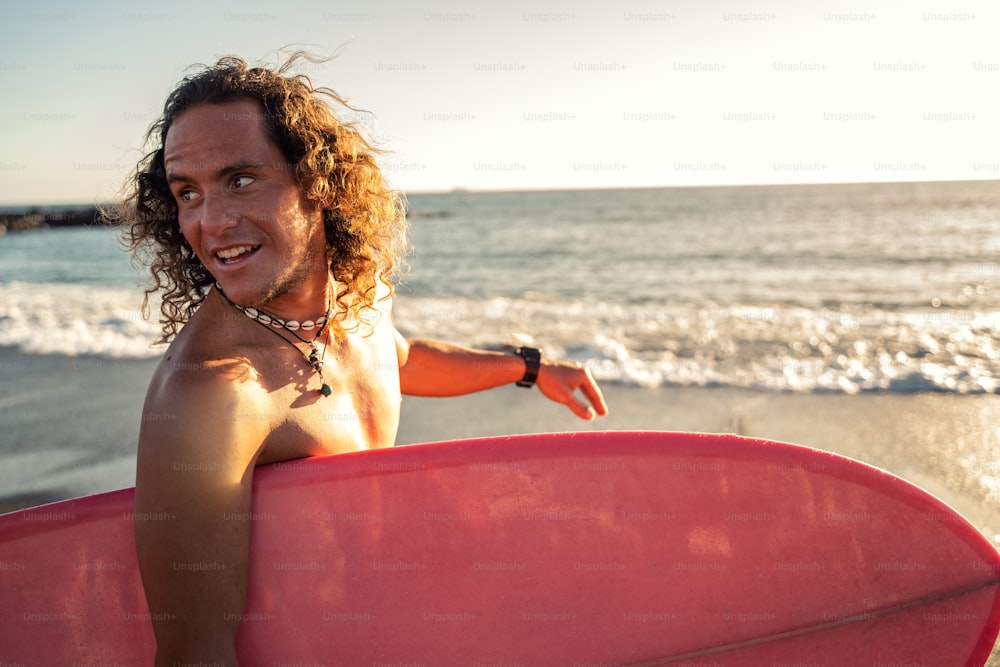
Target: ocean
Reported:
[(860, 319), (806, 288)]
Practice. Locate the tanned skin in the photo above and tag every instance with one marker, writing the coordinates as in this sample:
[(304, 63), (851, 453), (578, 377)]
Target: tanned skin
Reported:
[(235, 396)]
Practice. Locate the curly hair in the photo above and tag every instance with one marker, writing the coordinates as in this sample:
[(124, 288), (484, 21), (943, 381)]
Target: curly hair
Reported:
[(333, 163)]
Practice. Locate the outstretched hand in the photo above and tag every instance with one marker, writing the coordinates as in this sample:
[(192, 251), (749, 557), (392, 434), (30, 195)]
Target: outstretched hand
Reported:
[(560, 380)]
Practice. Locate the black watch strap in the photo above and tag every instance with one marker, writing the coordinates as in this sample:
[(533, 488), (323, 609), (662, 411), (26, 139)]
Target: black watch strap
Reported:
[(532, 362)]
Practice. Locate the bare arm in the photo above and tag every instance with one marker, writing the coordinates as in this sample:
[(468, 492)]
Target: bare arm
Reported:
[(433, 368), (192, 511)]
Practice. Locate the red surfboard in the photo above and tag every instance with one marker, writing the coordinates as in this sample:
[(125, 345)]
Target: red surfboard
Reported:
[(630, 549)]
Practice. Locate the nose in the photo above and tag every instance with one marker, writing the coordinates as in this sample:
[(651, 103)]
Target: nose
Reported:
[(217, 214)]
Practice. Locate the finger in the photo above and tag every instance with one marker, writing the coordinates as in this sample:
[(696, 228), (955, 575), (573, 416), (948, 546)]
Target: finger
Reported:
[(580, 409), (567, 396), (593, 393)]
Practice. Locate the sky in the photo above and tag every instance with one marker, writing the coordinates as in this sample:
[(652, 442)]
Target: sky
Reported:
[(514, 94)]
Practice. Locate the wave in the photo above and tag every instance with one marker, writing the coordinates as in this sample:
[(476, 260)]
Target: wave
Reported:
[(772, 347), (76, 320), (765, 347)]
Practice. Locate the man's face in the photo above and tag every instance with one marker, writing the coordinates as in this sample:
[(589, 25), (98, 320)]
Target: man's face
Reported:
[(239, 205)]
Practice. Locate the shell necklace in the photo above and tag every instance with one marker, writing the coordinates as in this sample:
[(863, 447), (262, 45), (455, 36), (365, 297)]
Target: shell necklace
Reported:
[(273, 323)]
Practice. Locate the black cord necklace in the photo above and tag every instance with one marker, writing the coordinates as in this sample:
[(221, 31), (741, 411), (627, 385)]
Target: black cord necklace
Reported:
[(273, 324)]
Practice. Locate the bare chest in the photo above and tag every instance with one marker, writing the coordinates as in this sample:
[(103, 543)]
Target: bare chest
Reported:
[(361, 412)]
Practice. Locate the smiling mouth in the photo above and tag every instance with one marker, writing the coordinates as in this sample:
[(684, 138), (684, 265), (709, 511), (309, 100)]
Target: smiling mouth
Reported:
[(233, 255)]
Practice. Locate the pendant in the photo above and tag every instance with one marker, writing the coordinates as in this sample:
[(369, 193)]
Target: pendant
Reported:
[(326, 390), (315, 362)]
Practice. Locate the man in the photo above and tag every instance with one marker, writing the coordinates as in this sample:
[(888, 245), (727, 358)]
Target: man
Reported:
[(273, 238)]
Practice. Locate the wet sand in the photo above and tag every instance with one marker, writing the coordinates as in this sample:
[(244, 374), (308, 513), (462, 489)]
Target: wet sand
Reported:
[(68, 427)]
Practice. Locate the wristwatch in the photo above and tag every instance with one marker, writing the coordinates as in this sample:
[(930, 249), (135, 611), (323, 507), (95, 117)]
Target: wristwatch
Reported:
[(532, 361)]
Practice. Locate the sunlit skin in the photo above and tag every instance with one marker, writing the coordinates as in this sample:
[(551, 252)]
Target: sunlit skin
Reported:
[(242, 397), (236, 193)]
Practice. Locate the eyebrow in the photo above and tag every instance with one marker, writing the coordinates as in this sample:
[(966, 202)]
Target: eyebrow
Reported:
[(218, 175)]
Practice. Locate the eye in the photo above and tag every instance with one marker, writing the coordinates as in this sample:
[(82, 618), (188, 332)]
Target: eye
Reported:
[(186, 195), (242, 181)]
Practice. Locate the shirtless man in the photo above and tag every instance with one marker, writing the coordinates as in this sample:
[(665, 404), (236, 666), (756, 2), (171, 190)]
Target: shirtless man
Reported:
[(273, 238)]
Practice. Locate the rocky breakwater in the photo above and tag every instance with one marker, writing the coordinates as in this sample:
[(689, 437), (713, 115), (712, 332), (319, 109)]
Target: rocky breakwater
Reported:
[(44, 219)]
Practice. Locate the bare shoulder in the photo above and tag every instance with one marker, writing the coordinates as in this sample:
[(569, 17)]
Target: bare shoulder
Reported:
[(203, 427), (198, 398), (382, 306), (198, 444)]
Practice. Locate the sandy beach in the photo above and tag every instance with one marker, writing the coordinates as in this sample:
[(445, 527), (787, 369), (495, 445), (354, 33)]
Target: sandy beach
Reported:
[(68, 427)]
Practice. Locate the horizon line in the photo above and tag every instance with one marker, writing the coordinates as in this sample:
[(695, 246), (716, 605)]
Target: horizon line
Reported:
[(609, 188)]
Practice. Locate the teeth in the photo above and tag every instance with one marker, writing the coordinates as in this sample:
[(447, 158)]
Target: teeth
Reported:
[(230, 253)]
